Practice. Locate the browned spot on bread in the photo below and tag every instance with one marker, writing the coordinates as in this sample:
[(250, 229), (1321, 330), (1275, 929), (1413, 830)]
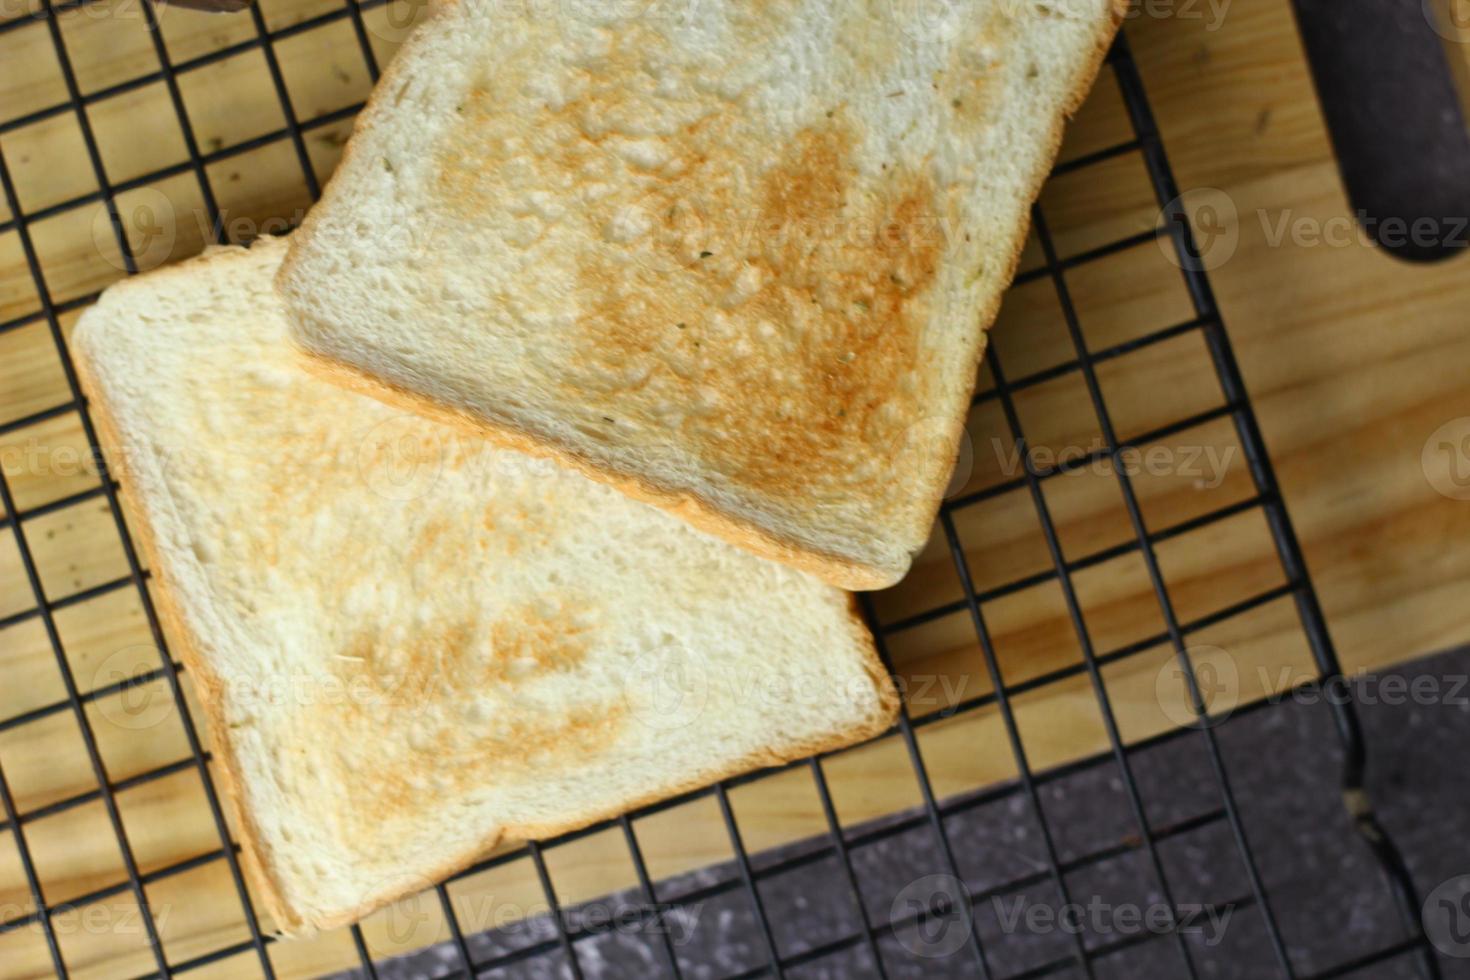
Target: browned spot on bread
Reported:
[(803, 285), (528, 643), (444, 674), (714, 259), (447, 767), (455, 660)]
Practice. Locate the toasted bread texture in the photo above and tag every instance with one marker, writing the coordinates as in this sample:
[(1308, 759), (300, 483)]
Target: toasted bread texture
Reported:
[(736, 258), (411, 644)]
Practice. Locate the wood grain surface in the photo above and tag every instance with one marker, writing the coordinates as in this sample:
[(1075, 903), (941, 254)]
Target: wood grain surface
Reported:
[(1354, 361)]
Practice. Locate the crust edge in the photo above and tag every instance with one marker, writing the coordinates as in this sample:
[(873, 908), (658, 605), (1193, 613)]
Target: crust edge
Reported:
[(842, 572), (254, 852)]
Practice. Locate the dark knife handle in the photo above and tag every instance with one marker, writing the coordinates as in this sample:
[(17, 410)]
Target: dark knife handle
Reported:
[(1394, 111)]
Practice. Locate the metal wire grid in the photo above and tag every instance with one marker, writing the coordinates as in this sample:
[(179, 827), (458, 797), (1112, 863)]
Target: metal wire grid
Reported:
[(840, 842)]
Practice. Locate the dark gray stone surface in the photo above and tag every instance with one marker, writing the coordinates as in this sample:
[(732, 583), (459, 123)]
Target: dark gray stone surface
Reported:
[(1284, 761)]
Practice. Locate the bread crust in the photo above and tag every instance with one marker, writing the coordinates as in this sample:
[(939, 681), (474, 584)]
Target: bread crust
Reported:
[(690, 505), (255, 854)]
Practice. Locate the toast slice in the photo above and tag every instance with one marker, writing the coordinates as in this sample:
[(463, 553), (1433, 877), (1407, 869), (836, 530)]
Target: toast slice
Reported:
[(734, 258), (412, 645)]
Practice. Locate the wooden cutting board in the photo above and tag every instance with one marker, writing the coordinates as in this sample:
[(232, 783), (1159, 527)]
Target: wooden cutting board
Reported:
[(1355, 362)]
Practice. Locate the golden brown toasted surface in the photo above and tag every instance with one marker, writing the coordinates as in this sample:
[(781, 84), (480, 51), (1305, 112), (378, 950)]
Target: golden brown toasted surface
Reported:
[(431, 691), (755, 261), (456, 681), (851, 304), (738, 263)]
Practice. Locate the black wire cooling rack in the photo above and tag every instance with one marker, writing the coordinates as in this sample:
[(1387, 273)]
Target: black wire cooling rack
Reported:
[(751, 877)]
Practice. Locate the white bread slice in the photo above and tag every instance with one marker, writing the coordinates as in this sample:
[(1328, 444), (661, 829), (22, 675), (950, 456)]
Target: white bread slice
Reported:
[(411, 644), (736, 258)]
